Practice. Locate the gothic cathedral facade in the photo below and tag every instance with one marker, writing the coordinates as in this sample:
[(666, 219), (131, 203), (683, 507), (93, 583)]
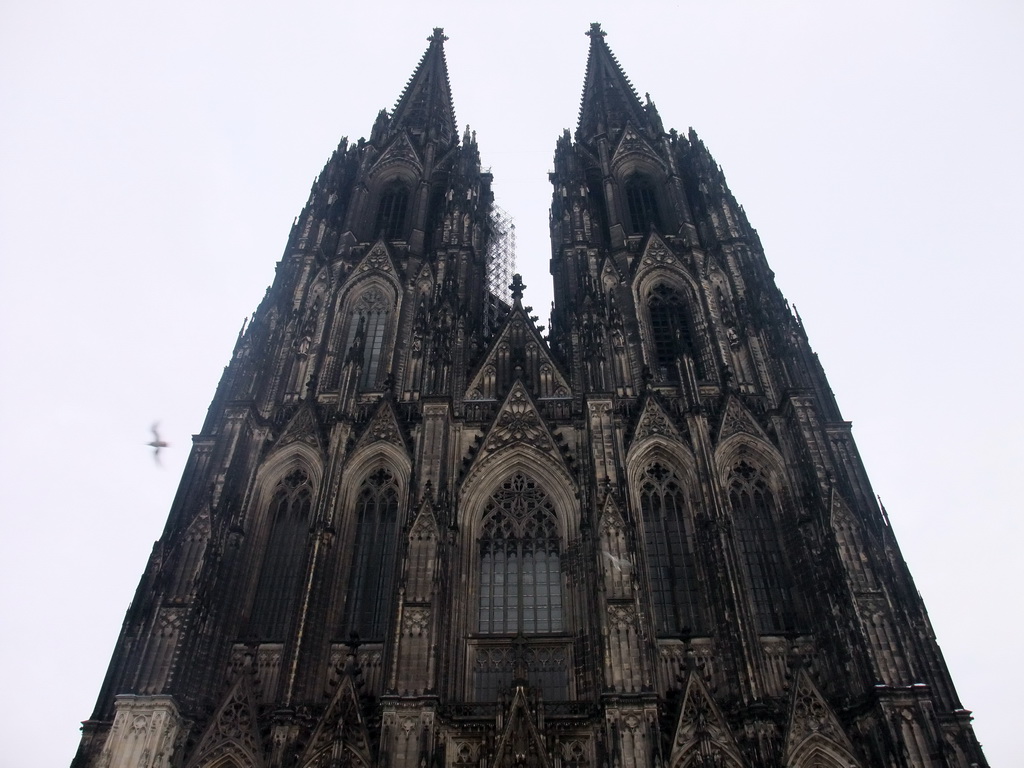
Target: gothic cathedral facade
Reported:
[(416, 532)]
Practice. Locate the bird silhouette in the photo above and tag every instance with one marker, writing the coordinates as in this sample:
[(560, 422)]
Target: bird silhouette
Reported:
[(157, 442), (619, 563)]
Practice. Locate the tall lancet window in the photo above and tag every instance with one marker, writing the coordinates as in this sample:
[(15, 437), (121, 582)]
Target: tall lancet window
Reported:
[(671, 332), (755, 523), (372, 583), (284, 563), (391, 212), (668, 540), (642, 204), (366, 334), (520, 579)]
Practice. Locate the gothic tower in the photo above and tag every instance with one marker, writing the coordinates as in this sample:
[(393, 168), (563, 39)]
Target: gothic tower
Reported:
[(415, 532)]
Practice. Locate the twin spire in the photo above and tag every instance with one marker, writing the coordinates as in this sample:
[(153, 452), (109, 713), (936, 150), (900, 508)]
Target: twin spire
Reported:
[(425, 106), (609, 100)]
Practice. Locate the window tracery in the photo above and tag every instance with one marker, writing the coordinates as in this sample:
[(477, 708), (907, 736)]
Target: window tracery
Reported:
[(284, 561), (668, 541), (520, 578), (391, 212), (372, 581), (757, 537), (672, 333), (368, 324), (642, 205)]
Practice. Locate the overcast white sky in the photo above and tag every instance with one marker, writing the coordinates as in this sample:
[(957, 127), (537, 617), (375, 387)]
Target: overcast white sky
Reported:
[(153, 156)]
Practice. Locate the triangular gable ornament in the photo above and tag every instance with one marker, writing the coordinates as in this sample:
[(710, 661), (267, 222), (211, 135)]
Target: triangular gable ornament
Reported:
[(611, 517), (399, 152), (632, 143), (383, 427), (814, 728), (655, 421), (303, 427), (233, 731), (702, 730), (341, 729), (655, 254), (521, 742), (424, 525), (516, 333), (377, 259), (737, 419)]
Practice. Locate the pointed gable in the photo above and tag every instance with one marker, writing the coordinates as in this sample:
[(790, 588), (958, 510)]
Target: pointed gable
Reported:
[(814, 728), (702, 729), (399, 152), (233, 731), (518, 352), (657, 255), (343, 726), (383, 427), (631, 145), (609, 99), (736, 418), (303, 427), (519, 425), (521, 742), (377, 259), (654, 421)]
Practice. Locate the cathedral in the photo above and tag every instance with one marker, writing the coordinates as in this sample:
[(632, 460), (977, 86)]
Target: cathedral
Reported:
[(419, 530)]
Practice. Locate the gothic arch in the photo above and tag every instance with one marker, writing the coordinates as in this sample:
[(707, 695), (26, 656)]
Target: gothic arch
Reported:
[(363, 462), (818, 752), (754, 488), (367, 315), (285, 462), (516, 609), (665, 497), (532, 462), (678, 319)]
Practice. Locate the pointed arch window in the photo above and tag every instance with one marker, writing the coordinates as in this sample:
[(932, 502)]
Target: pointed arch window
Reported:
[(520, 575), (283, 568), (367, 330), (642, 205), (372, 583), (671, 332), (755, 524), (668, 541), (391, 212)]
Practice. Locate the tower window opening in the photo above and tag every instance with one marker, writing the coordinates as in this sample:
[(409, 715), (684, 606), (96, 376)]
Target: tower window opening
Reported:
[(391, 212), (757, 537), (642, 205), (367, 330), (283, 565), (668, 541), (671, 332), (371, 586)]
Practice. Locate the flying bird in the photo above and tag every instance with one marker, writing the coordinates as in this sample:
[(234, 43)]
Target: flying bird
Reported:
[(157, 443), (619, 563)]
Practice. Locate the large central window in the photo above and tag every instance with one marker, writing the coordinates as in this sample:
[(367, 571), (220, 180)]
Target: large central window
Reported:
[(520, 578)]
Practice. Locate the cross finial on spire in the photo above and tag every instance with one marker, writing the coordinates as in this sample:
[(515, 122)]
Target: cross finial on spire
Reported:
[(517, 286), (438, 35), (595, 31)]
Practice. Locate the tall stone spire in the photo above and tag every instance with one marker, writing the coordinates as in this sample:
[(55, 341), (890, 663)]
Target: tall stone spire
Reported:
[(609, 99), (425, 106)]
